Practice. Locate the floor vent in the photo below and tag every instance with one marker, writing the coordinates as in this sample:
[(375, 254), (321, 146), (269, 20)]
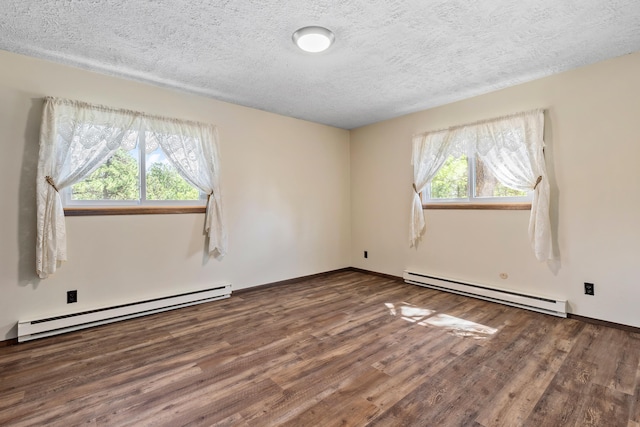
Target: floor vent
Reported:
[(555, 307), (40, 328)]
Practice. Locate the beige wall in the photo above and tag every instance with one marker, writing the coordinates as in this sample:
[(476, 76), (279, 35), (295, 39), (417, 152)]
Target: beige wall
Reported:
[(285, 189), (593, 156), (300, 199)]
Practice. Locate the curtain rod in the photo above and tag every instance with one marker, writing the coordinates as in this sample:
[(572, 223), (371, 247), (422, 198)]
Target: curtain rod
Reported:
[(107, 109), (481, 122)]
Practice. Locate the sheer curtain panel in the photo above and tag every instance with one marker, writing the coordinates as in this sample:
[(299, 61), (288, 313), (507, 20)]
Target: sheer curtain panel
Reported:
[(512, 147), (513, 150), (192, 148), (76, 138), (430, 151)]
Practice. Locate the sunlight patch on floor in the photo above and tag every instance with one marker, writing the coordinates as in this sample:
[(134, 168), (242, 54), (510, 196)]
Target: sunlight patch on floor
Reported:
[(460, 327), (426, 317), (409, 313)]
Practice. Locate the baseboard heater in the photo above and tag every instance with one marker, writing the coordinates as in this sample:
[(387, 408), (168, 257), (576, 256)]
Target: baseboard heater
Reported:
[(40, 328), (555, 307)]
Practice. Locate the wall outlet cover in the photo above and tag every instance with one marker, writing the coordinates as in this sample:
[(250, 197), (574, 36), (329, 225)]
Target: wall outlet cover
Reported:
[(72, 296), (589, 288)]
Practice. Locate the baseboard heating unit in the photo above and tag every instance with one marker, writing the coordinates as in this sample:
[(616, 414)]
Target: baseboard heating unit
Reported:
[(555, 307), (40, 328)]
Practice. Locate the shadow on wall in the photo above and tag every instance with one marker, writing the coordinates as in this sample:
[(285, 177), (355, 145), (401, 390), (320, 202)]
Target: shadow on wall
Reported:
[(554, 207), (27, 212), (11, 334)]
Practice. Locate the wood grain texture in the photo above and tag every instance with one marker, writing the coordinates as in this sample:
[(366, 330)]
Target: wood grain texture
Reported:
[(133, 210), (344, 349), (481, 206)]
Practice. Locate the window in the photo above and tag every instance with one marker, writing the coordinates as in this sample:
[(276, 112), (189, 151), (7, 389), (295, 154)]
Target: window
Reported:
[(479, 165), (466, 179), (120, 160), (119, 181)]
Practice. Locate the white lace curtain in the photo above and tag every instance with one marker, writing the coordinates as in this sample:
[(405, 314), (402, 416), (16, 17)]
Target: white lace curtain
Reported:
[(511, 147), (430, 151), (193, 150), (76, 138)]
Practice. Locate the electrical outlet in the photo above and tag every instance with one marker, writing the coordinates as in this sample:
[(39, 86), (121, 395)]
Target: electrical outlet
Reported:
[(366, 254), (72, 296), (589, 288)]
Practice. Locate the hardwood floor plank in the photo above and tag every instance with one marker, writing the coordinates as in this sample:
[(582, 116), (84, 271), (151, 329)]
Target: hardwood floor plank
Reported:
[(621, 362), (605, 407), (343, 349), (514, 402), (346, 406), (417, 371), (564, 398), (616, 366), (434, 396), (8, 400), (634, 412)]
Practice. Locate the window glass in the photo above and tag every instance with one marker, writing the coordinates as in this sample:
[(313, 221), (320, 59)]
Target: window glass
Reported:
[(163, 180), (487, 185), (117, 179), (120, 182), (452, 180), (466, 179)]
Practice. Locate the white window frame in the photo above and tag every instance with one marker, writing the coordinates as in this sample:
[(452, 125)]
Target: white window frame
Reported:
[(68, 201)]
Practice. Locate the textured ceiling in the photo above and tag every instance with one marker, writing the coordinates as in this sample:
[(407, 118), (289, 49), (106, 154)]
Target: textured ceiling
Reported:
[(390, 57)]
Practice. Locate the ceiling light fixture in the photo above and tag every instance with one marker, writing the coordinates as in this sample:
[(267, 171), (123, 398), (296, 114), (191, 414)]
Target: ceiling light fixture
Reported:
[(313, 39)]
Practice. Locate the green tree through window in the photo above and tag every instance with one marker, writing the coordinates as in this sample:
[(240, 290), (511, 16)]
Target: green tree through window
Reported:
[(452, 182), (165, 183), (117, 179), (452, 179)]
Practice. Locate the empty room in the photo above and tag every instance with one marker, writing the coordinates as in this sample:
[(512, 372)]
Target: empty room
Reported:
[(308, 213)]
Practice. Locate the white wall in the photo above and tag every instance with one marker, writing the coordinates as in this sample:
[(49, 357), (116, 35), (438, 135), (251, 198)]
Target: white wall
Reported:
[(285, 194), (593, 156)]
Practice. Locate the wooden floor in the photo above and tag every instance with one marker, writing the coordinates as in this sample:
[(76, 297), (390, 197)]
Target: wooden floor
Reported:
[(347, 349)]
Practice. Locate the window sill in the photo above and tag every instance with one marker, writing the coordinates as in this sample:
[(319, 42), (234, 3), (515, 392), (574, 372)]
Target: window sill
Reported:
[(485, 206), (134, 210)]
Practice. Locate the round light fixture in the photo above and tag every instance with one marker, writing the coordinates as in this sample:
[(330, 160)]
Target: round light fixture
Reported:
[(313, 39)]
